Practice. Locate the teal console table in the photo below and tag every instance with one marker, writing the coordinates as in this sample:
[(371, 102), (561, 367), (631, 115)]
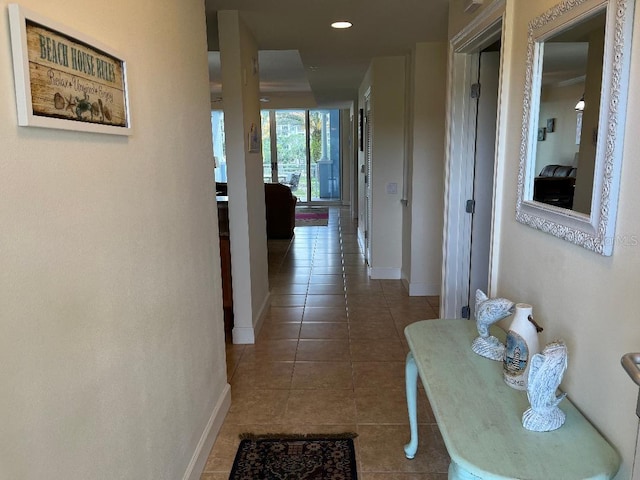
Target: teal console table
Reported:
[(479, 416)]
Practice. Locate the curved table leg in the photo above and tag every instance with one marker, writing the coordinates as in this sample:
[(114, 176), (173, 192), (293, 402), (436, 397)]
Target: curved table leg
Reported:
[(411, 382)]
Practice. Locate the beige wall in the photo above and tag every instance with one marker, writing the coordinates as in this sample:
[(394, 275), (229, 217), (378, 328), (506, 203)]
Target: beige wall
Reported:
[(112, 347), (407, 98), (386, 78), (588, 300), (587, 156), (559, 147), (423, 221)]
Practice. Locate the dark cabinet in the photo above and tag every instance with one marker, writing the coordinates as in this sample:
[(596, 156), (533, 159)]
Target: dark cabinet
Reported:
[(225, 266)]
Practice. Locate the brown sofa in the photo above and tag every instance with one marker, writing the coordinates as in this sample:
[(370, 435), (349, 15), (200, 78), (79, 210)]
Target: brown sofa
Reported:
[(554, 185), (280, 206)]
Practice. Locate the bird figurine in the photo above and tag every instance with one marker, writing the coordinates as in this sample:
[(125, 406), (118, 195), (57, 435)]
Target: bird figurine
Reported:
[(545, 375), (488, 312)]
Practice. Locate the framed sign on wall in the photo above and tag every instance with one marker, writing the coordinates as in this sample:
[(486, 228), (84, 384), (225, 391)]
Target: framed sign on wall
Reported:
[(64, 79)]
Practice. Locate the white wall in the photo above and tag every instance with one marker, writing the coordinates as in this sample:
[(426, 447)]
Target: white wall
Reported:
[(588, 300), (112, 347), (247, 224), (422, 230), (387, 82)]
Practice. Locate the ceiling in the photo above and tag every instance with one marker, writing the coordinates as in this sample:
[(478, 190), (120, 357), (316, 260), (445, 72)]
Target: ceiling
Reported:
[(300, 54)]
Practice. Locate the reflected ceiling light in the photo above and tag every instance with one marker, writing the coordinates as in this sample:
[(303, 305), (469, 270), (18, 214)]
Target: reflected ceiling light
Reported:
[(580, 105), (341, 24)]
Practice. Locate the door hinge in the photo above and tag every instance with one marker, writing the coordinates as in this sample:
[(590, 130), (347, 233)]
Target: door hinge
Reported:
[(475, 90), (366, 234), (366, 179), (470, 206), (466, 312)]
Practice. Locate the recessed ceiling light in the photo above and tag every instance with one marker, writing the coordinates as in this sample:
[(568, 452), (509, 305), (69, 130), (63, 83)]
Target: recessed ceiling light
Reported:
[(342, 24)]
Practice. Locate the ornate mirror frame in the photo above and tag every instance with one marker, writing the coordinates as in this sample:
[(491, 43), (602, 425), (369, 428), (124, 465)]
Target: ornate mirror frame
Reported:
[(594, 231)]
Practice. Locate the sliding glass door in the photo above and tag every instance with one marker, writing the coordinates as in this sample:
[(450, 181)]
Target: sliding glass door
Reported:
[(291, 150), (301, 149), (324, 152)]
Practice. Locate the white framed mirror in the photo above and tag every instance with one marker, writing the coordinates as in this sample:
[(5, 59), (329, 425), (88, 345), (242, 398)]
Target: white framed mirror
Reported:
[(573, 120)]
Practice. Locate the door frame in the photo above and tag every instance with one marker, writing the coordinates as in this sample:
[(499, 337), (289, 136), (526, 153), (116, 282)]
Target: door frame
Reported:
[(368, 153), (489, 26)]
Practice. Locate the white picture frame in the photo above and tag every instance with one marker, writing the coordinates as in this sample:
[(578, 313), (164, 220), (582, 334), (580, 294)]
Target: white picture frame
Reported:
[(65, 79), (595, 230)]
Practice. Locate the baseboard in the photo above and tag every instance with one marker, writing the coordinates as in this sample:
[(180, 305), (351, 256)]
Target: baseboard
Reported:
[(248, 335), (423, 290), (262, 314), (243, 335), (385, 273), (199, 458), (405, 283)]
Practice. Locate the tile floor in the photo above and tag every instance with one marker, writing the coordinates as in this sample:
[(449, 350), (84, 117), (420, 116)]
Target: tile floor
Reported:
[(330, 358)]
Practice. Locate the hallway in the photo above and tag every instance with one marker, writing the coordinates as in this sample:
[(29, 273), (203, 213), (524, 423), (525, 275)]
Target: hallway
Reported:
[(330, 358)]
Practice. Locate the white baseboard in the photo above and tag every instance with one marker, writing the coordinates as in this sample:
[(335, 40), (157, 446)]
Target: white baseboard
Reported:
[(423, 290), (243, 335), (199, 458), (262, 314), (248, 335), (385, 273), (405, 283)]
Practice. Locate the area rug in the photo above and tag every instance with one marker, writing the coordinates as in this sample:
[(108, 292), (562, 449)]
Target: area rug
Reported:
[(295, 457), (312, 217)]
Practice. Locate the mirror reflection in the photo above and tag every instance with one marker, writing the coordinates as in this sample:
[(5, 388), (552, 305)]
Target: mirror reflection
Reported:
[(567, 119)]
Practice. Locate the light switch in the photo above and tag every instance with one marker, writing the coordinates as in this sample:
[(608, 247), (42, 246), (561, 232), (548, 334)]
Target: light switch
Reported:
[(392, 188)]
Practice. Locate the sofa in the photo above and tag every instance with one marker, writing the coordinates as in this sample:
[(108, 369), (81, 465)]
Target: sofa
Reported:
[(555, 185), (280, 209)]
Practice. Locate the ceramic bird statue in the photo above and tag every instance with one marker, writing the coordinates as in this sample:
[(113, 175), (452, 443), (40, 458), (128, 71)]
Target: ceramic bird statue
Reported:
[(488, 312), (545, 375)]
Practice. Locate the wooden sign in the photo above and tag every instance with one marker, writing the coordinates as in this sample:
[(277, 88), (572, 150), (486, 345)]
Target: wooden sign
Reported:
[(64, 79)]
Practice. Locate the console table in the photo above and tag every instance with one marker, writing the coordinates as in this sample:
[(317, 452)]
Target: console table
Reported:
[(479, 416)]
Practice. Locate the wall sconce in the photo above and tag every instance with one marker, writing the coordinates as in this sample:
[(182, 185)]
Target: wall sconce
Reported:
[(580, 105)]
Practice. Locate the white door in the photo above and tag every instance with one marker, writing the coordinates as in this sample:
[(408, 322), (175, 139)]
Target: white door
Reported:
[(460, 161), (482, 206)]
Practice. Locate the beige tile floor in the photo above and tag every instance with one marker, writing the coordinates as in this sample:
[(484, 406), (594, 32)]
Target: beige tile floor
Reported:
[(330, 358)]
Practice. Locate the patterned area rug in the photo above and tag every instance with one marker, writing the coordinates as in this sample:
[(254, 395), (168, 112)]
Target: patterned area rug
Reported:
[(312, 217), (297, 457)]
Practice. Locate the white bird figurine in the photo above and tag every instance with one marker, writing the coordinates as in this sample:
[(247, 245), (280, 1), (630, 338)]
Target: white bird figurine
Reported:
[(545, 375), (488, 312)]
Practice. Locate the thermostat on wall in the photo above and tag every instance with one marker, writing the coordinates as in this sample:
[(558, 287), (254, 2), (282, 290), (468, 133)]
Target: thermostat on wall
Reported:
[(471, 5)]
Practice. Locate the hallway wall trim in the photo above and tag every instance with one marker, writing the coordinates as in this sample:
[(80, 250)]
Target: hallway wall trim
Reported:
[(199, 458), (248, 335), (421, 289), (381, 273)]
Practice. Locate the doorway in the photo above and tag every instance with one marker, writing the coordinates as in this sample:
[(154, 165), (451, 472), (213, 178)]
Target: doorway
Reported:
[(301, 149), (481, 205), (473, 156), (365, 172)]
